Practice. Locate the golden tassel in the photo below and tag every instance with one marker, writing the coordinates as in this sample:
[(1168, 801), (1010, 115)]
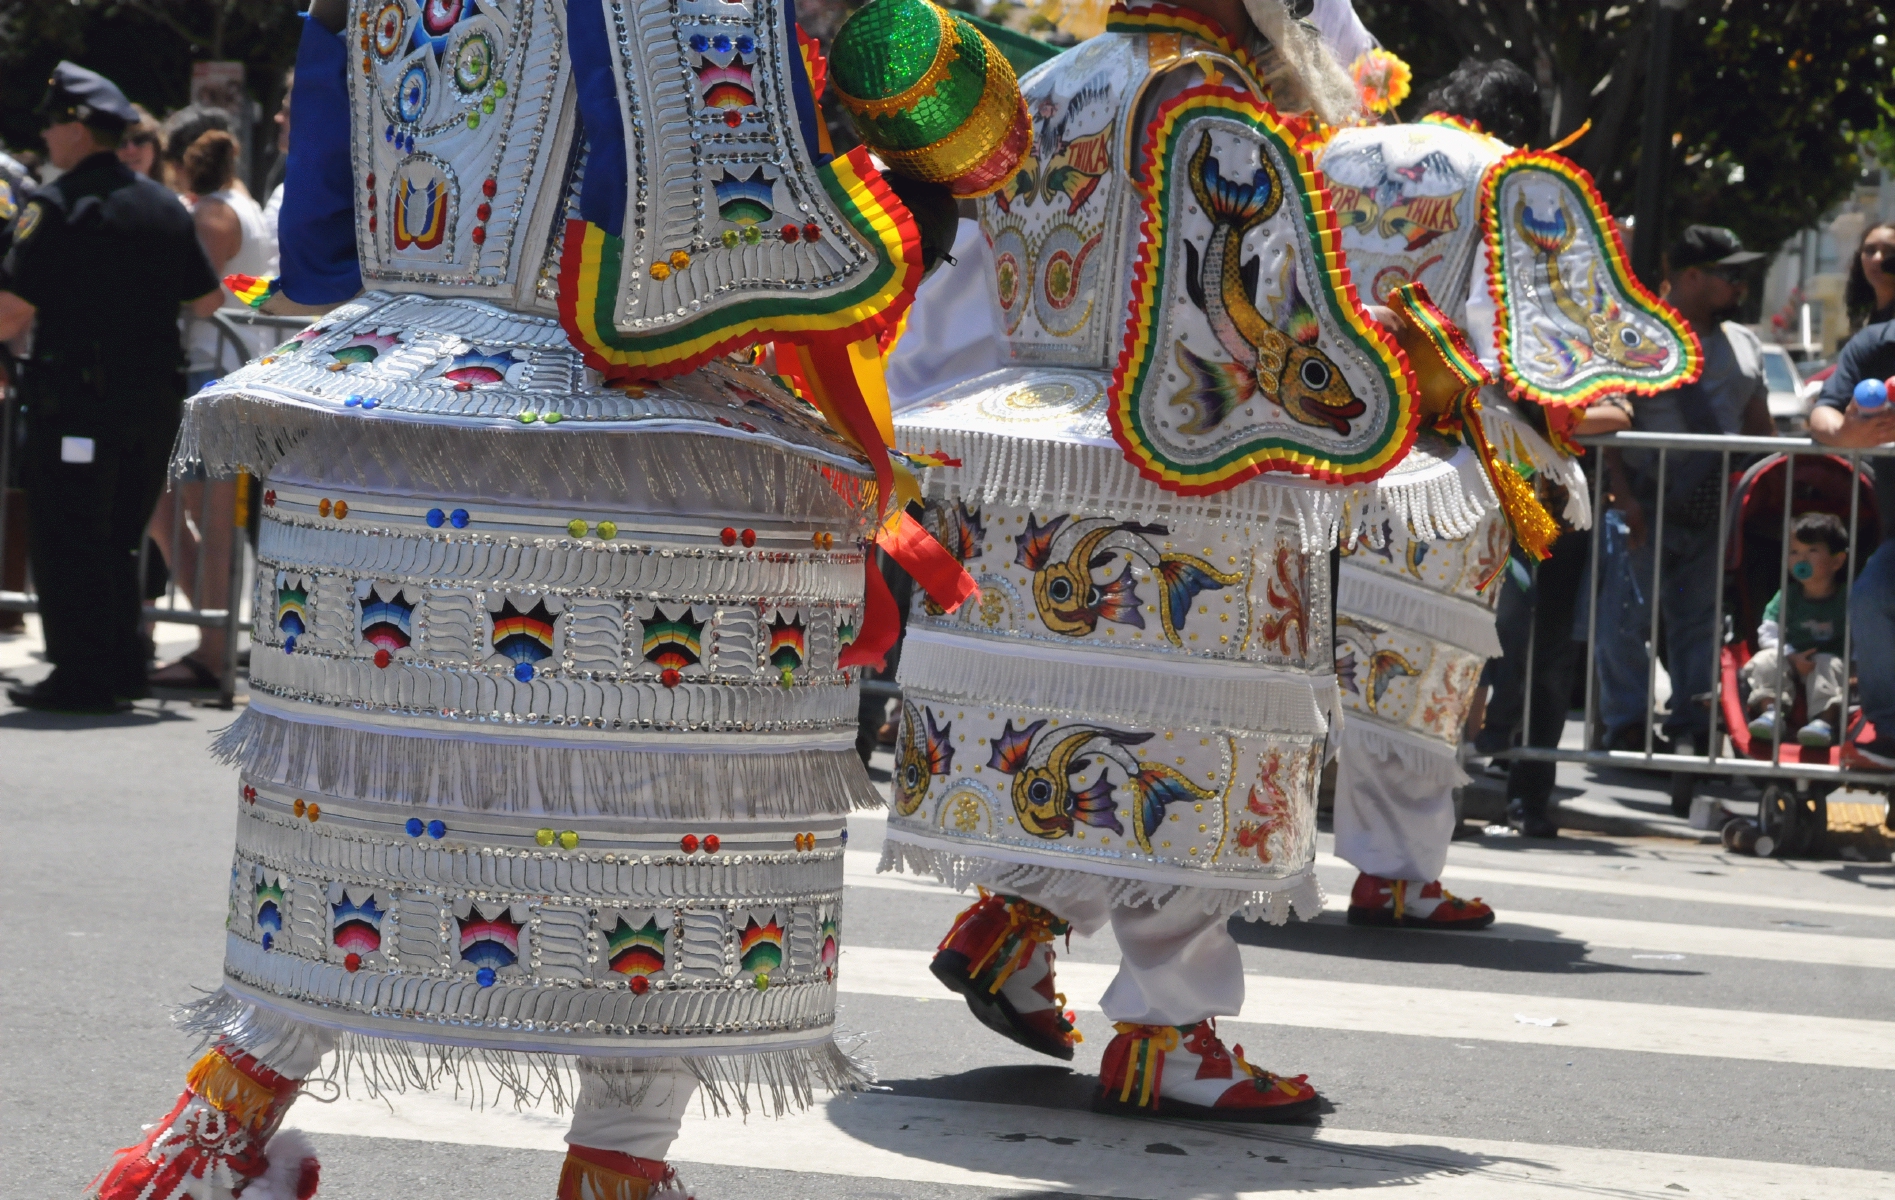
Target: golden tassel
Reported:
[(1533, 527)]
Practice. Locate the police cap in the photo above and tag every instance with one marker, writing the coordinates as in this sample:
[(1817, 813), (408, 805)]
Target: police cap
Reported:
[(76, 94)]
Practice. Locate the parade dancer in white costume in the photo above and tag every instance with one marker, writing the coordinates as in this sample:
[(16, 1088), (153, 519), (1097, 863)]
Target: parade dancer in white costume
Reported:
[(560, 607), (1128, 725), (1424, 205)]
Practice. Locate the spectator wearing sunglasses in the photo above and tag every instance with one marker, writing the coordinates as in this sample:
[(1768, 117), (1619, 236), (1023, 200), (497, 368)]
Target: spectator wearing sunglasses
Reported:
[(1706, 280), (1870, 293)]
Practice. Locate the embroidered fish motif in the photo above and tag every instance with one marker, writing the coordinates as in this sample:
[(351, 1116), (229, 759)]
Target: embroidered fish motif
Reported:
[(925, 753), (1182, 577), (1612, 337), (1063, 554), (1385, 667), (1048, 764), (1285, 365)]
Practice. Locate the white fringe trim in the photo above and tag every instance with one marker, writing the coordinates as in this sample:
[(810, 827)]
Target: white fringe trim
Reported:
[(1300, 893), (1145, 691), (499, 777), (1462, 623), (1433, 495), (286, 1152), (773, 1081), (1431, 764), (661, 467)]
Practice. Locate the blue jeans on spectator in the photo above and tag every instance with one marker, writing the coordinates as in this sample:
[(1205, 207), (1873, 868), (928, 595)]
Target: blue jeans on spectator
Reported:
[(1687, 596), (1872, 638)]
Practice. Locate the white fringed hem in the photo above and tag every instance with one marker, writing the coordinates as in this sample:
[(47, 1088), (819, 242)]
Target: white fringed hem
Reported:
[(1432, 764), (1462, 623), (499, 777), (771, 1081), (1436, 500), (1273, 902)]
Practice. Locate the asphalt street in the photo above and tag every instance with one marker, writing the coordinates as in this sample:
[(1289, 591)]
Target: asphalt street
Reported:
[(1653, 1017)]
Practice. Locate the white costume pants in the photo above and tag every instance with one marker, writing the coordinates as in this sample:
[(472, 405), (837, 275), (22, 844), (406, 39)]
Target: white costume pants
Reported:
[(1177, 964), (1391, 820), (629, 1106)]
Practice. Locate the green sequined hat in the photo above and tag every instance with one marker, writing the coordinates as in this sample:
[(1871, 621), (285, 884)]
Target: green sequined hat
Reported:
[(931, 96)]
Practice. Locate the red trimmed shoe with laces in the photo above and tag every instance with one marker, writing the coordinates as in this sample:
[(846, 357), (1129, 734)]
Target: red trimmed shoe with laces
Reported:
[(999, 956), (605, 1175), (1378, 901), (219, 1141), (1185, 1071)]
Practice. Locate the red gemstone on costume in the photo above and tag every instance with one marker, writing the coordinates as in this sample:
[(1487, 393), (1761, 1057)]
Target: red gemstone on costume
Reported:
[(479, 235), (371, 179), (812, 232), (724, 421), (371, 201), (383, 658), (733, 119), (729, 535), (688, 843), (484, 211), (711, 843), (670, 677), (640, 985), (269, 498), (488, 188), (750, 537), (790, 233), (463, 386), (352, 963), (746, 426), (371, 222)]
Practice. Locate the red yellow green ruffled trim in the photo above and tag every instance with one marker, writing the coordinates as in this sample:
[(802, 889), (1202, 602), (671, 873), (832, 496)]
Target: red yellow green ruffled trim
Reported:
[(592, 261), (1137, 359), (1499, 286), (1151, 16)]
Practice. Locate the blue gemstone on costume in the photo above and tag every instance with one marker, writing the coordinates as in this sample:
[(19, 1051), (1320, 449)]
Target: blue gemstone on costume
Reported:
[(699, 43), (436, 518), (746, 44), (484, 977), (289, 644), (209, 384), (720, 43), (845, 837), (415, 826), (352, 401), (458, 518), (523, 672), (370, 402), (268, 939), (388, 134), (437, 830)]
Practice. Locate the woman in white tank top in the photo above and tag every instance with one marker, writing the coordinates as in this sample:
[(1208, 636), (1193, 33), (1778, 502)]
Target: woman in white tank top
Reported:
[(237, 241)]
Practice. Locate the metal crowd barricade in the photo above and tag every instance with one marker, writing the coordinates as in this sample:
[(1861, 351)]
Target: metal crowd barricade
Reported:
[(1794, 779), (170, 610)]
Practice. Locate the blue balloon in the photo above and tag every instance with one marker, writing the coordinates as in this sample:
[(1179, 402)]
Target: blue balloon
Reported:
[(1871, 393)]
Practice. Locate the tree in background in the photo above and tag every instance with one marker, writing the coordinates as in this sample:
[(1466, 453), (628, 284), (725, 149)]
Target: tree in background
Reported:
[(1771, 99), (145, 46)]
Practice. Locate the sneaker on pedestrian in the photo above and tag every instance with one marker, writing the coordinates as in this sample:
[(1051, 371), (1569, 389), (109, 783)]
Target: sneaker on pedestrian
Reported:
[(1817, 735), (1531, 822), (1763, 726)]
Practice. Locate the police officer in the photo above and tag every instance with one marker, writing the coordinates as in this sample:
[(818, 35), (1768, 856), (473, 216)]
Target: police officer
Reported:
[(102, 258)]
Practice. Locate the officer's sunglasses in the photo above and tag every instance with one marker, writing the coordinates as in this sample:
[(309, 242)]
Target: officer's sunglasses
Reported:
[(1735, 276)]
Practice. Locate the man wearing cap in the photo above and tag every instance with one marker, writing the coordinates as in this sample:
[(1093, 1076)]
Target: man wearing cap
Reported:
[(103, 396), (1706, 281)]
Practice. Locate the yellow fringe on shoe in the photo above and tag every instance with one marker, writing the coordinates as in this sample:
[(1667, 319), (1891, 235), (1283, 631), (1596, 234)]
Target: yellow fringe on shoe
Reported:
[(228, 1089)]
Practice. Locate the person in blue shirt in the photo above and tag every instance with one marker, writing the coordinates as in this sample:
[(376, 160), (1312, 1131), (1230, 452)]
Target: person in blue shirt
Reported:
[(1836, 420)]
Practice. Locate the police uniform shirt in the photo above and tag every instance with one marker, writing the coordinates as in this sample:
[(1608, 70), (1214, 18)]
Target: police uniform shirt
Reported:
[(106, 256)]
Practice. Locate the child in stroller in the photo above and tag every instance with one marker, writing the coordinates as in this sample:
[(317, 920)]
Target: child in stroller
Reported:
[(1800, 638)]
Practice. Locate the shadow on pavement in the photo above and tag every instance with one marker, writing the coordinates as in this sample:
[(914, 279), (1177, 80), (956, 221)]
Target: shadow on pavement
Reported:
[(1330, 934), (27, 718)]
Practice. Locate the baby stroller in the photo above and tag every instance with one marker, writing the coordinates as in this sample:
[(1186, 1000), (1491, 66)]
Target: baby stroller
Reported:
[(1793, 814)]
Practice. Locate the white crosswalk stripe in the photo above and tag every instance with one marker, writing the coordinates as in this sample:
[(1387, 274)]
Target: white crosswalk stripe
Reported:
[(1457, 1014), (1659, 936), (1010, 1148)]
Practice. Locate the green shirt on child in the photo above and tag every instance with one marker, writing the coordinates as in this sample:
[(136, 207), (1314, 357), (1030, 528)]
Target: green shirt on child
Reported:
[(1813, 624)]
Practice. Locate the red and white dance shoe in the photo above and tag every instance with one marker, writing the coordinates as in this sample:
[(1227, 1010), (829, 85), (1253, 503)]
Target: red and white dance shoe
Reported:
[(604, 1175), (999, 956), (1378, 901), (1185, 1071), (220, 1141)]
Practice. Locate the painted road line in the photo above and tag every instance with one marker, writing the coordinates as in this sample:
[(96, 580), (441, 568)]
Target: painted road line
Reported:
[(1012, 1149), (1458, 873), (1461, 1015), (1771, 945)]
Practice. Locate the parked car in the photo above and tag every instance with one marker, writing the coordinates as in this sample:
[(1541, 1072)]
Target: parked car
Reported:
[(1789, 406)]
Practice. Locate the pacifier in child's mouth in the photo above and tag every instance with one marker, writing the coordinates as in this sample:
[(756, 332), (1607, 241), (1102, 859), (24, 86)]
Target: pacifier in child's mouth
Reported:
[(1802, 570)]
